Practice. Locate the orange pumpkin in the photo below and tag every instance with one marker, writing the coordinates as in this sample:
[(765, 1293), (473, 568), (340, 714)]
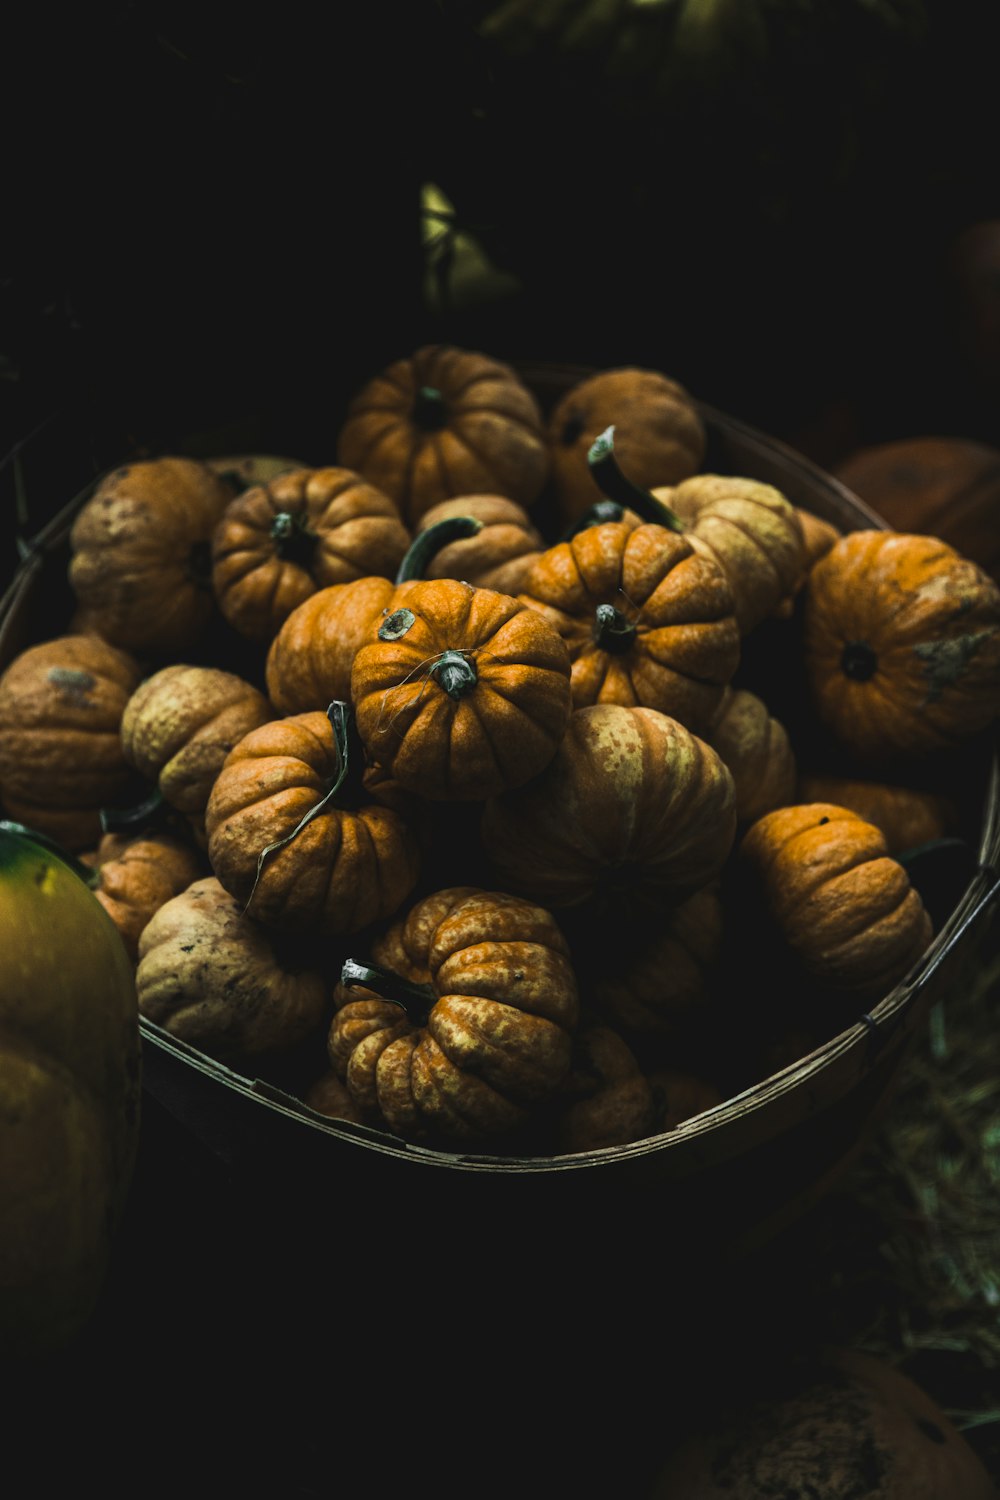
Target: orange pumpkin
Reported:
[(499, 556), (444, 422), (134, 877)]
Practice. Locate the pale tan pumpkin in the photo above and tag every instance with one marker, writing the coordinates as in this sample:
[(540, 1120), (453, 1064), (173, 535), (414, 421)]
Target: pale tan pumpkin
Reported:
[(758, 752)]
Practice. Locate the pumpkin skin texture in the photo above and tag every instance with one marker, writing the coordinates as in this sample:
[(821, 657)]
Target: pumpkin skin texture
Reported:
[(141, 561), (277, 543), (444, 422), (309, 660), (69, 1098), (61, 758), (346, 868), (840, 1423), (758, 752), (633, 814), (751, 530), (606, 1099), (499, 556), (135, 877), (209, 975), (842, 905), (659, 433), (497, 1037), (901, 642), (670, 640), (494, 723), (907, 816), (181, 723)]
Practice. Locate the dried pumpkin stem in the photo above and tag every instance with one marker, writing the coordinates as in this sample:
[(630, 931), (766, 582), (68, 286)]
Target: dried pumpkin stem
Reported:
[(295, 542), (456, 673), (416, 999), (616, 485), (427, 543), (612, 631)]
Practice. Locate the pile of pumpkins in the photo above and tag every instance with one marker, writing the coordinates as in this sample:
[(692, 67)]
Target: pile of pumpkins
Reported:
[(436, 768)]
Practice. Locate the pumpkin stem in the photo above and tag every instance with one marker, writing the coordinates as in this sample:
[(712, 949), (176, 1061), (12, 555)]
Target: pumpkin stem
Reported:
[(294, 541), (151, 812), (416, 999), (88, 874), (427, 543), (858, 661), (616, 485), (429, 410), (612, 631), (456, 673)]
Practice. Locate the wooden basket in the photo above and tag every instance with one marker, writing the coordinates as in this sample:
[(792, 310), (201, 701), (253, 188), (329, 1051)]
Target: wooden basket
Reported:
[(732, 1175)]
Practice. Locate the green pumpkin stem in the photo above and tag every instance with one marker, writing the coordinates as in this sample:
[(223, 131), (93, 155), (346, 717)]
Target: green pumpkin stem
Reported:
[(426, 543), (616, 485), (417, 1000), (294, 540), (456, 673), (88, 874), (612, 631), (152, 812)]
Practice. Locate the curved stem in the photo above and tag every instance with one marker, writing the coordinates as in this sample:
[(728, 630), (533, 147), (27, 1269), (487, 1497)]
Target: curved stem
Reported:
[(426, 543), (87, 873), (152, 812), (616, 485), (456, 673), (416, 999), (612, 631)]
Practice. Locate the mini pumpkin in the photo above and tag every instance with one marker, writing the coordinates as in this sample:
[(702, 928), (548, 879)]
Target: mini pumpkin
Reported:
[(836, 898), (462, 691), (211, 976), (901, 642), (756, 748), (180, 724), (134, 877), (634, 813), (659, 432), (278, 542), (473, 1053), (61, 757), (646, 619), (908, 816), (605, 1100), (141, 555), (444, 422), (293, 837), (499, 556)]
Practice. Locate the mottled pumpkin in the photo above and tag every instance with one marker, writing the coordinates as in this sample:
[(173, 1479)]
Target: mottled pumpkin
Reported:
[(471, 1055), (211, 976), (901, 642), (659, 432), (634, 813), (758, 752), (444, 422), (836, 898), (61, 757), (499, 556), (134, 877), (141, 555), (297, 842), (180, 724), (646, 619), (277, 543), (461, 691)]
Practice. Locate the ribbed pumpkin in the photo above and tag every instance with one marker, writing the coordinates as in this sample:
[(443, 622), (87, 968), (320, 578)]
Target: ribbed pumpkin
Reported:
[(298, 843), (444, 422), (901, 645), (61, 757), (499, 556), (756, 748), (471, 1054), (908, 816), (134, 877), (277, 543), (659, 432), (141, 555), (837, 900), (646, 620), (180, 724), (634, 813), (605, 1100), (461, 692)]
